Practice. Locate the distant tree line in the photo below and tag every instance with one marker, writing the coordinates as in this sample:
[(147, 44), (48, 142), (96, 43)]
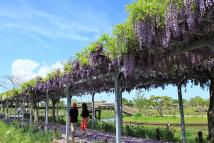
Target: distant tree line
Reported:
[(164, 105)]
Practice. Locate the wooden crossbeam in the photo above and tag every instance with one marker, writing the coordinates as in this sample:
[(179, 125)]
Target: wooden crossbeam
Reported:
[(207, 20), (195, 45)]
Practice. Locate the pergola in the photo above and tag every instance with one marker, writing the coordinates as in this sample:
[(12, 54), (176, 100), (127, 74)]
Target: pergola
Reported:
[(188, 56), (117, 82)]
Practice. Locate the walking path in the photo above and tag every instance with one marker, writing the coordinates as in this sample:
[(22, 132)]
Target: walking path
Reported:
[(93, 136)]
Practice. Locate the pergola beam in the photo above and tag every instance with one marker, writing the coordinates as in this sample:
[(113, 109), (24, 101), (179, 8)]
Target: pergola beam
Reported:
[(196, 45)]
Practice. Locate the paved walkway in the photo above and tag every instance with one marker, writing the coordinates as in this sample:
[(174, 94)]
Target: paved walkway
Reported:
[(93, 136)]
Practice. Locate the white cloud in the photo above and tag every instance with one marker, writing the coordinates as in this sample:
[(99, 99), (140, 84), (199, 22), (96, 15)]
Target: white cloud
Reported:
[(27, 69), (24, 69), (57, 65), (43, 71)]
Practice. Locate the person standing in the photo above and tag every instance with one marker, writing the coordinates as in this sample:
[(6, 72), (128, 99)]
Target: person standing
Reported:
[(73, 113), (84, 115)]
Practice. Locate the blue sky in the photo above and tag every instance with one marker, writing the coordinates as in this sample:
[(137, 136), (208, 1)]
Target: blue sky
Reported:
[(36, 36)]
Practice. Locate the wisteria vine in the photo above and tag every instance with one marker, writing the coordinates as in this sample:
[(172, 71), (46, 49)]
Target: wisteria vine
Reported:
[(149, 66)]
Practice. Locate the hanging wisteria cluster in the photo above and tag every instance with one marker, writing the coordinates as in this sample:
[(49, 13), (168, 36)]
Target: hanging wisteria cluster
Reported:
[(148, 67), (181, 23), (128, 62), (142, 70)]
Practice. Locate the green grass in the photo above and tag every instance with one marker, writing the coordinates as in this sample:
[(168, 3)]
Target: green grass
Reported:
[(14, 134), (191, 131), (165, 119), (107, 114)]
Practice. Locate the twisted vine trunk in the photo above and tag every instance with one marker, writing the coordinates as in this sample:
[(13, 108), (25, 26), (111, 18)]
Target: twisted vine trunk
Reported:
[(3, 107), (7, 104), (22, 112), (210, 113), (57, 110), (35, 113), (54, 101), (16, 108)]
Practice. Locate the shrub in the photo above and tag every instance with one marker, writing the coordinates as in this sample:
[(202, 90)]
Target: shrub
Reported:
[(13, 133), (136, 131), (57, 134), (138, 115)]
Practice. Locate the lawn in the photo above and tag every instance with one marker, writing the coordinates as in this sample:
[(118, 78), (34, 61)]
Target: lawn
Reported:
[(107, 114), (165, 119), (191, 131)]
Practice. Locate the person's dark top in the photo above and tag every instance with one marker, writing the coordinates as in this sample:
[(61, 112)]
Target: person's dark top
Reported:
[(85, 113), (73, 113)]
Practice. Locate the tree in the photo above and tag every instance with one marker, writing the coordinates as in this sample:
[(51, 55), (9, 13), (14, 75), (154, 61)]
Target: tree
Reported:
[(130, 103), (61, 103), (13, 83), (160, 103), (127, 102), (139, 100), (196, 101), (175, 101)]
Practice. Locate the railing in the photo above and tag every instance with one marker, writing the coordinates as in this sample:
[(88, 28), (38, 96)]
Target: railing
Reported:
[(110, 106), (129, 110)]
